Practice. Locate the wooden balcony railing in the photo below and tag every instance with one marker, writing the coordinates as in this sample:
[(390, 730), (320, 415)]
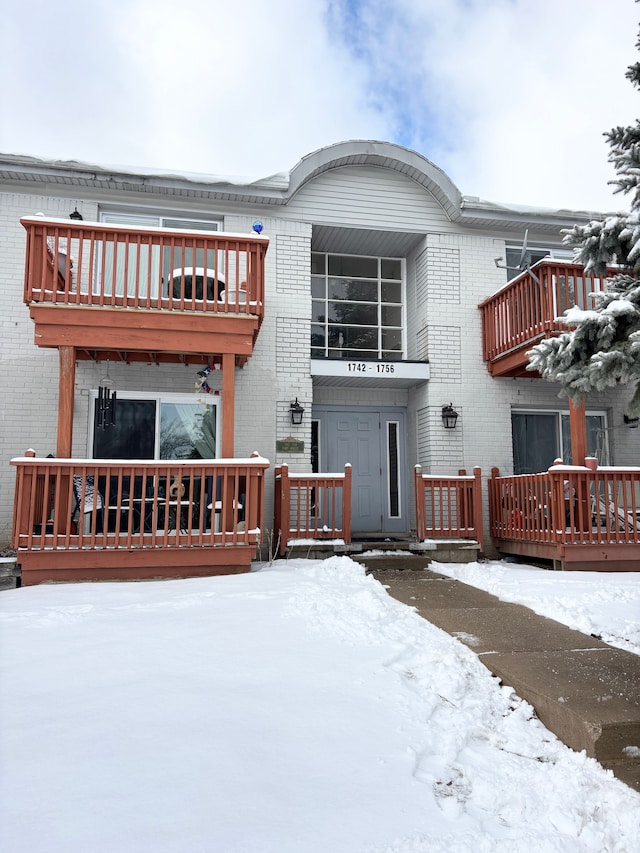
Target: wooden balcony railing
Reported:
[(529, 308), (567, 505), (311, 506), (100, 506), (103, 265), (449, 506)]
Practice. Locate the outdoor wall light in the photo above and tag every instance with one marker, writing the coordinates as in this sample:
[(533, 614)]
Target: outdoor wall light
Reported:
[(296, 413), (76, 214), (449, 416), (632, 423)]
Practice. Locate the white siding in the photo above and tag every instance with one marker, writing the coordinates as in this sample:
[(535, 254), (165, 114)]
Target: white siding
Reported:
[(368, 197)]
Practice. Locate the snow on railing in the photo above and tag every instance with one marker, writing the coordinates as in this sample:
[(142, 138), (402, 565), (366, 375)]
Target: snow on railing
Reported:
[(98, 504), (311, 506), (99, 264), (449, 506)]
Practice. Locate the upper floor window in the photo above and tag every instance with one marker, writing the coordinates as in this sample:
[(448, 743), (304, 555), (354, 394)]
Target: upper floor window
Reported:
[(518, 256), (356, 307)]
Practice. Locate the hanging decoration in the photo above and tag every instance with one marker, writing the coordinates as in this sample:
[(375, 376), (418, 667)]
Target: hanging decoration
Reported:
[(202, 386), (106, 414), (106, 407)]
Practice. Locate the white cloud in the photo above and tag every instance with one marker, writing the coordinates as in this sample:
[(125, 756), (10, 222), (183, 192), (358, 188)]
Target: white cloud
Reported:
[(509, 97)]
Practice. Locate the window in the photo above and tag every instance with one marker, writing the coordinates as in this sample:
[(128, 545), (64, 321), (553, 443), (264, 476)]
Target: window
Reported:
[(517, 262), (393, 467), (154, 267), (148, 426), (357, 307), (540, 437)]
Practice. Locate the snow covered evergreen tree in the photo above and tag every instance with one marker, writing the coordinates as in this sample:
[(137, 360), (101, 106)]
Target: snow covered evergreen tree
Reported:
[(603, 348)]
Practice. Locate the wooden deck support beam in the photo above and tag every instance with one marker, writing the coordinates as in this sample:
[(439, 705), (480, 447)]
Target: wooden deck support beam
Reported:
[(67, 378), (228, 405), (578, 426)]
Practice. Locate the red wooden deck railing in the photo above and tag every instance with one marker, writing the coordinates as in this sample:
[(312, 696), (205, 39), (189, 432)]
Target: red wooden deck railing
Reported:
[(98, 264), (449, 506), (100, 506), (311, 506), (567, 505), (529, 307)]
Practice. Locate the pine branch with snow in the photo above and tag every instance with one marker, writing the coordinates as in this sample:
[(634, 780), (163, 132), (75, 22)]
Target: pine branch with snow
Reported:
[(602, 349)]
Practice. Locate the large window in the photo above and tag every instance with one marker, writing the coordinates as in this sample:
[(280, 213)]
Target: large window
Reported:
[(357, 307), (540, 437), (151, 426)]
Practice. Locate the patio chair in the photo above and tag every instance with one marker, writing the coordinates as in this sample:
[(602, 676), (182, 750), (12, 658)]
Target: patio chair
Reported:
[(214, 507), (86, 503), (609, 510), (61, 272)]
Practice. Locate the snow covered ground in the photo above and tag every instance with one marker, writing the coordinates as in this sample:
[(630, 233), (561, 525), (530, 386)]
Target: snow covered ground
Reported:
[(604, 604), (296, 709)]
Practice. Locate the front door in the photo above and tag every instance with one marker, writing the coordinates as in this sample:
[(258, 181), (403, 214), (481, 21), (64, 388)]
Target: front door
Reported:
[(372, 441)]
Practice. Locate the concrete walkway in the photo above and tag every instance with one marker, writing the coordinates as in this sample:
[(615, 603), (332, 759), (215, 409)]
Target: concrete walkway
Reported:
[(583, 690)]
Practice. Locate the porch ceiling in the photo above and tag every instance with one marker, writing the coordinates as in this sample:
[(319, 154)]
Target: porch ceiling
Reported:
[(363, 241)]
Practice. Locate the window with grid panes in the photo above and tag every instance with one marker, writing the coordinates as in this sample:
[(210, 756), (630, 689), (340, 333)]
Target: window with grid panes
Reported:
[(357, 307)]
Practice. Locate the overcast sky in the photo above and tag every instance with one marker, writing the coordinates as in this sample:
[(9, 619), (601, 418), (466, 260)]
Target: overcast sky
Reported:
[(509, 97)]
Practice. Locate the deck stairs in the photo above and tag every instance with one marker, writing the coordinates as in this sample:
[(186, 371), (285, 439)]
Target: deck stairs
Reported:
[(380, 553)]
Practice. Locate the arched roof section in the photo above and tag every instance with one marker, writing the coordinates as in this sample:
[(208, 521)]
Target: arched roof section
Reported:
[(386, 155)]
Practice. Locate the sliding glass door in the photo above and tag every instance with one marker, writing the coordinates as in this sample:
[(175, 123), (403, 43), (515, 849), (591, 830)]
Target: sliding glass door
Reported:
[(168, 426), (540, 437)]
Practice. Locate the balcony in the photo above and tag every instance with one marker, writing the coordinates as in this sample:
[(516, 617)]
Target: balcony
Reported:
[(112, 520), (528, 310), (577, 517), (144, 294)]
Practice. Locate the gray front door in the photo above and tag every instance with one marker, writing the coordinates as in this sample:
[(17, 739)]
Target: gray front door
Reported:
[(355, 438), (371, 441)]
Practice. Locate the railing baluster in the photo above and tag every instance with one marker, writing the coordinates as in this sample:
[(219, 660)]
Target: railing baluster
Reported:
[(120, 505), (110, 257)]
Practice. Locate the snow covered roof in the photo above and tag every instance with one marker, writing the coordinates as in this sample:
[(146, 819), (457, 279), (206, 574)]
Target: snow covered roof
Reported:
[(279, 188)]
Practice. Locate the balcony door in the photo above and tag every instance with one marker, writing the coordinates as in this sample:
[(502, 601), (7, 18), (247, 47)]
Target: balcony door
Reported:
[(140, 270), (540, 437)]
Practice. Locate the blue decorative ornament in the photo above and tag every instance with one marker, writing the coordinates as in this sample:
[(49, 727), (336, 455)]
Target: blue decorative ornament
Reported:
[(257, 226)]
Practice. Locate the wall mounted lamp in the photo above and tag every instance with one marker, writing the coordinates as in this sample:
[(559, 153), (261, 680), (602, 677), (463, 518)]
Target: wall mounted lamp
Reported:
[(297, 412), (76, 214), (449, 416), (632, 423)]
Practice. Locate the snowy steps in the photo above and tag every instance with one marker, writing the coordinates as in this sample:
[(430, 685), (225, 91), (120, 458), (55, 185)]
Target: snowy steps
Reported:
[(584, 691), (397, 554)]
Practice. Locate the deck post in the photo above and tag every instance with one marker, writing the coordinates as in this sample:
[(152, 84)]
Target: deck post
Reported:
[(419, 489), (477, 507), (67, 361), (285, 508), (578, 425), (228, 405), (346, 504)]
